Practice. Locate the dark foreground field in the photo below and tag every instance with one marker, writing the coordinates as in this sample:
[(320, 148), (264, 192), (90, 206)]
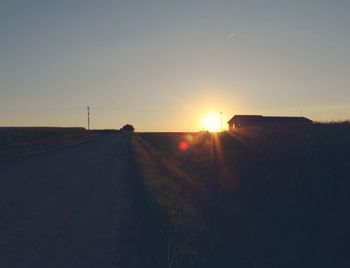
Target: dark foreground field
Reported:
[(21, 142), (78, 207), (273, 197)]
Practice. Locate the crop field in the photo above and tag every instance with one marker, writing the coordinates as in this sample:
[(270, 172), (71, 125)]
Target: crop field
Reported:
[(256, 197), (18, 142)]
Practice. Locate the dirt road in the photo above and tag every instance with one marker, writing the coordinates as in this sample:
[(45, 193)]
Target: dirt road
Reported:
[(72, 208)]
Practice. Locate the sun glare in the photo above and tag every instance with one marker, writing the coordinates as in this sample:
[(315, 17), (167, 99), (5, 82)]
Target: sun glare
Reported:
[(212, 122)]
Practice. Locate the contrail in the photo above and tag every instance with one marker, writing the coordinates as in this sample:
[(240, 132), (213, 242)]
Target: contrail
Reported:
[(231, 36)]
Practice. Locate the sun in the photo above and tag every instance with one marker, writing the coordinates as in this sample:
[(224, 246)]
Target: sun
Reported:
[(212, 122)]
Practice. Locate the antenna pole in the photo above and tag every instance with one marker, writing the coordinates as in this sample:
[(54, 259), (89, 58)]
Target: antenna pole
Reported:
[(88, 113)]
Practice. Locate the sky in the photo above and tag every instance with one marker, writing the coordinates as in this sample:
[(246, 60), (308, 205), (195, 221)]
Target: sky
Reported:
[(164, 65)]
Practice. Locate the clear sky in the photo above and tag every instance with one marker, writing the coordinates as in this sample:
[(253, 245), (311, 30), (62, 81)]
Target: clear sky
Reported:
[(163, 65)]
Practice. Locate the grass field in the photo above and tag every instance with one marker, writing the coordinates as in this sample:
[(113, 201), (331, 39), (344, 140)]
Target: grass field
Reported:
[(18, 142), (257, 197)]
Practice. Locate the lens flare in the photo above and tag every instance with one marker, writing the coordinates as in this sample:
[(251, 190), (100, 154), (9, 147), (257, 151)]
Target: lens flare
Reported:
[(189, 138), (183, 146)]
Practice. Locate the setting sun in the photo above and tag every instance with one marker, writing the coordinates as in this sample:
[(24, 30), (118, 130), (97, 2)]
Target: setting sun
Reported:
[(212, 122)]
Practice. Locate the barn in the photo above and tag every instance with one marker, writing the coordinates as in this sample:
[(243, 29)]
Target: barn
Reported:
[(238, 121)]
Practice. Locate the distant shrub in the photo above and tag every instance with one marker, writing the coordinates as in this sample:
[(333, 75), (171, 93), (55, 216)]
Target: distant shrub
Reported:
[(127, 128)]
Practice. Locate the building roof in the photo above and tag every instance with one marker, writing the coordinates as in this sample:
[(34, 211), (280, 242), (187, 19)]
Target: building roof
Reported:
[(258, 119)]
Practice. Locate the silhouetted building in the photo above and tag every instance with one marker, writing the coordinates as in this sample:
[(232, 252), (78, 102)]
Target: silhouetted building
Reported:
[(238, 121)]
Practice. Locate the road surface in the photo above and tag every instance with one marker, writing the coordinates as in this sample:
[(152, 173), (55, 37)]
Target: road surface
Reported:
[(72, 208)]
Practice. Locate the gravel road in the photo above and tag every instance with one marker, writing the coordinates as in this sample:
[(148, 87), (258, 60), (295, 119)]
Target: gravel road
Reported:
[(72, 208)]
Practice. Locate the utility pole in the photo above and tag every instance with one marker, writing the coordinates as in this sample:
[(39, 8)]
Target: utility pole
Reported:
[(88, 113), (221, 121)]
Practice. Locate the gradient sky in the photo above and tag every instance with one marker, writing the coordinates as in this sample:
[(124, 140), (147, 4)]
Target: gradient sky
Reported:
[(163, 65)]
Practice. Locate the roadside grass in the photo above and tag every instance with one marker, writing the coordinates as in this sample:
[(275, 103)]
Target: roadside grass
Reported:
[(167, 189), (21, 142), (258, 197)]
